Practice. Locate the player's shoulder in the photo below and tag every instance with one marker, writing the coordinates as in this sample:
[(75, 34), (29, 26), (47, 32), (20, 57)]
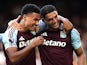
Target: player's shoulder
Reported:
[(74, 30), (11, 29), (10, 32), (75, 35), (42, 26)]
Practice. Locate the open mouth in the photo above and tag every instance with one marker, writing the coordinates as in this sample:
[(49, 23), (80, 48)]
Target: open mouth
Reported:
[(34, 27), (55, 24)]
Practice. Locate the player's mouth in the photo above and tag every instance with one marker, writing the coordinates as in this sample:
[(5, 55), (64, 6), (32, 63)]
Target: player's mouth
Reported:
[(34, 27), (55, 25)]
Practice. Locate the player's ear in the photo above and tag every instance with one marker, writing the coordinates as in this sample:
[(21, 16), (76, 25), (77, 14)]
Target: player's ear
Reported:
[(24, 17)]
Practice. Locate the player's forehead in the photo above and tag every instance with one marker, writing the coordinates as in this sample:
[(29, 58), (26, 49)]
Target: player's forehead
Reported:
[(33, 15), (51, 14)]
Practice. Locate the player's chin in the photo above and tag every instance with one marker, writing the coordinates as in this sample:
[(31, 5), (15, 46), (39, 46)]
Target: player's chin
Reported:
[(32, 29), (55, 27)]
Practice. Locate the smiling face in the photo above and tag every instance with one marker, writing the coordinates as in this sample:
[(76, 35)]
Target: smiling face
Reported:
[(51, 19), (31, 21)]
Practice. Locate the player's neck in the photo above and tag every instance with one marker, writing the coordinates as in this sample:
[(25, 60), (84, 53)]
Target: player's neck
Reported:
[(21, 27), (52, 29)]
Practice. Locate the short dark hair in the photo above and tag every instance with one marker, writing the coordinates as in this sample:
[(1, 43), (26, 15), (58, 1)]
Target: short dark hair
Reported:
[(29, 8), (47, 9)]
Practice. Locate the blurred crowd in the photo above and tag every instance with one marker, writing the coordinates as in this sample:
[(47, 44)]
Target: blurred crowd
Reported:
[(74, 10)]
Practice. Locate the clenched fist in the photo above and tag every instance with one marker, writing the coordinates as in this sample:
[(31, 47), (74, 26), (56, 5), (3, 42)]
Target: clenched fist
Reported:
[(38, 41)]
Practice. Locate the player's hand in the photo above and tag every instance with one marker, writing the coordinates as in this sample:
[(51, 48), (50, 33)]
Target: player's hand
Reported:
[(14, 22), (67, 25), (38, 41)]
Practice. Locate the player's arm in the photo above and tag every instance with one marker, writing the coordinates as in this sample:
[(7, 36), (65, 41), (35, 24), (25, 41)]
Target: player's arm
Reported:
[(12, 50), (76, 43), (67, 25), (81, 56)]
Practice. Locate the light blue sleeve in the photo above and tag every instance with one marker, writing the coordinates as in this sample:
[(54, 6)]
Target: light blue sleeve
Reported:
[(42, 26), (75, 38), (1, 36), (9, 38)]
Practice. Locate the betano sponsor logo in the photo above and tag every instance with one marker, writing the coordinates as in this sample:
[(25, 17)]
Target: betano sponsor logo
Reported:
[(46, 43), (54, 43)]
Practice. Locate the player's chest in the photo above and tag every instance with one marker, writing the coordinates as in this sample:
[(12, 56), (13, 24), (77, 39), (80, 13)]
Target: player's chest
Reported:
[(56, 35), (24, 39)]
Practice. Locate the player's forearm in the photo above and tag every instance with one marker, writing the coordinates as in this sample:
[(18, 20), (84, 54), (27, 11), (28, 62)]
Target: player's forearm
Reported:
[(19, 55), (81, 59)]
